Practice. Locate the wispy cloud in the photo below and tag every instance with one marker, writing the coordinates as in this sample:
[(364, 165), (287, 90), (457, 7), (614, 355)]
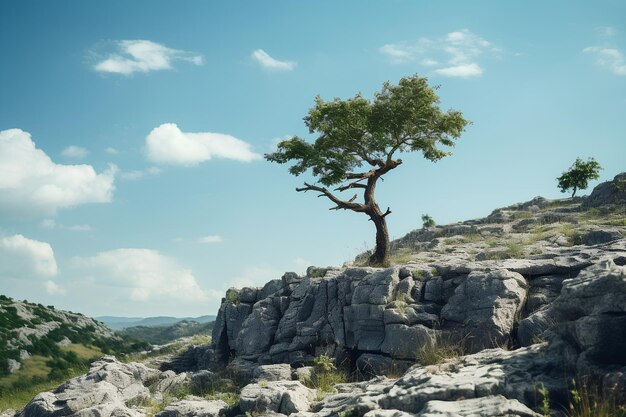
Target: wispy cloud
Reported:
[(143, 56), (272, 64), (606, 31), (75, 152), (210, 239), (111, 151), (611, 59), (136, 174), (167, 144), (455, 55), (52, 224), (31, 183)]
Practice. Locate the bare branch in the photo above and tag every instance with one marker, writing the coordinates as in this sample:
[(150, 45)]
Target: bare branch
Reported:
[(341, 204), (351, 185), (388, 212)]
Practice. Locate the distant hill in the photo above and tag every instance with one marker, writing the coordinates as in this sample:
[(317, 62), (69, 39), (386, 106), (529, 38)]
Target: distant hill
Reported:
[(119, 323), (160, 335), (40, 343)]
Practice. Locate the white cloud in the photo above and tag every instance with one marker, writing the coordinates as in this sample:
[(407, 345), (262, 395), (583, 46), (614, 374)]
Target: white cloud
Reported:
[(609, 58), (31, 183), (139, 174), (53, 288), (144, 56), (210, 239), (461, 71), (167, 144), (23, 258), (454, 55), (111, 151), (75, 152), (52, 224), (267, 62), (143, 275)]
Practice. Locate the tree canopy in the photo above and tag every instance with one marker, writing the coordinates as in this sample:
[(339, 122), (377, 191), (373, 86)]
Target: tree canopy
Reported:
[(578, 175), (358, 141)]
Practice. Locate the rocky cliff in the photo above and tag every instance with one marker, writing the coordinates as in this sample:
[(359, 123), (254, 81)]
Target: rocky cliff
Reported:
[(491, 317)]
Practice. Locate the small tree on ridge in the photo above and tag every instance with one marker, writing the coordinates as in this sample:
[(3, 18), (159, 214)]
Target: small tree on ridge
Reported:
[(578, 175), (358, 141)]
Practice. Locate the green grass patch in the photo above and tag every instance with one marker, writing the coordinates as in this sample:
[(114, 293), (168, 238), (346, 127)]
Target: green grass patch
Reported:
[(438, 351), (401, 256)]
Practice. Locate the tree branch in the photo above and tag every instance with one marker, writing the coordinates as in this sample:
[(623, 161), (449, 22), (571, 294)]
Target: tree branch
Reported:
[(341, 204), (388, 212), (354, 184)]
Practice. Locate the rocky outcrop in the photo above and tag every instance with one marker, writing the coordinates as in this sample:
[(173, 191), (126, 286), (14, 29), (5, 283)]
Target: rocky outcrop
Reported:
[(104, 391), (393, 312)]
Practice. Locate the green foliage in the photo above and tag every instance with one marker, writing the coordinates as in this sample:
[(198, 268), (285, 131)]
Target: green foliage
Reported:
[(232, 296), (588, 399), (545, 400), (404, 117), (326, 375), (578, 175), (427, 221), (437, 351)]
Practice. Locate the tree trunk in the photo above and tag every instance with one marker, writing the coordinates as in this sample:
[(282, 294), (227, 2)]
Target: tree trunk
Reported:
[(380, 257), (574, 193)]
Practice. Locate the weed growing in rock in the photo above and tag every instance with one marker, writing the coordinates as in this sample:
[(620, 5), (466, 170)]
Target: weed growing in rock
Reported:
[(545, 400), (588, 399), (326, 375), (438, 351)]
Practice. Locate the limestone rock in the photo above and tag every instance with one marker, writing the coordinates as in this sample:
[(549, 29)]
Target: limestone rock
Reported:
[(194, 408), (485, 307), (285, 397), (102, 392), (277, 372), (492, 406)]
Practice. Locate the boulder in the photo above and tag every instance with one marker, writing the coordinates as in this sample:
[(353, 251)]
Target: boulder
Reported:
[(485, 307), (285, 397), (277, 372)]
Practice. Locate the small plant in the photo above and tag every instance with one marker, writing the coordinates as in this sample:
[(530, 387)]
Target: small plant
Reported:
[(427, 221), (589, 400), (326, 375), (437, 351), (545, 400), (232, 296), (262, 383), (417, 274)]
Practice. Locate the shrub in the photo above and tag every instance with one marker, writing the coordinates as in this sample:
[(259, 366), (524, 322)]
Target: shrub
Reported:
[(326, 374), (427, 221)]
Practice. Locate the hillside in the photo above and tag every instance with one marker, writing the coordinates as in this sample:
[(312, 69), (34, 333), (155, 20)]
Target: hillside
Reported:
[(159, 335), (120, 323), (40, 344), (522, 313)]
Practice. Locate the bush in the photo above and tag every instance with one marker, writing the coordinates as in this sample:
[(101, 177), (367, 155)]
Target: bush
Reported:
[(427, 221), (326, 374)]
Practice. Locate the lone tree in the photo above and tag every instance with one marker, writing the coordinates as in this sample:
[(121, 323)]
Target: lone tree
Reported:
[(358, 141), (578, 175)]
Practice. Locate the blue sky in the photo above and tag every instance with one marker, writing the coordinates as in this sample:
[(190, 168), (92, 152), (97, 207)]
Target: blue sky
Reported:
[(131, 173)]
